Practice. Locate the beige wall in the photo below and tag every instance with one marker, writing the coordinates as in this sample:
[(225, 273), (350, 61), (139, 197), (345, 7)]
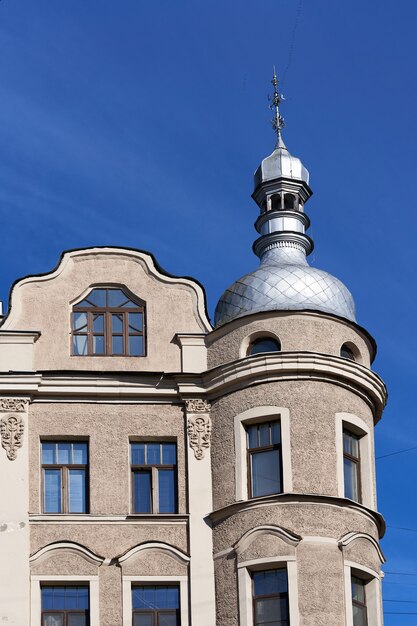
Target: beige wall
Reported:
[(44, 304), (297, 331)]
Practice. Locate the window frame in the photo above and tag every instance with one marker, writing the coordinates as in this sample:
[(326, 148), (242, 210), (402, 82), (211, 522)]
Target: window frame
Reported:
[(266, 596), (36, 583), (157, 612), (372, 582), (64, 481), (355, 460), (130, 581), (258, 450), (153, 470), (361, 605), (65, 612), (138, 306)]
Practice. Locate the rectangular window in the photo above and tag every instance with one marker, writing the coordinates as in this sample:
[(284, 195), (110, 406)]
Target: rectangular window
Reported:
[(154, 477), (359, 602), (65, 605), (65, 476), (264, 459), (156, 605), (270, 598), (351, 466)]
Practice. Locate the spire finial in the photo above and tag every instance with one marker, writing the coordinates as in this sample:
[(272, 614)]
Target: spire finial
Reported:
[(278, 121)]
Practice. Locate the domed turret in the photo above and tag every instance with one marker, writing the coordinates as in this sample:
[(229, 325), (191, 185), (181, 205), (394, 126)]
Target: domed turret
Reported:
[(284, 281)]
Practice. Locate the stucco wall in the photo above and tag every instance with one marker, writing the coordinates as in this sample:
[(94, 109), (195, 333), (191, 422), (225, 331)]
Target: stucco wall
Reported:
[(44, 304), (312, 407), (297, 331)]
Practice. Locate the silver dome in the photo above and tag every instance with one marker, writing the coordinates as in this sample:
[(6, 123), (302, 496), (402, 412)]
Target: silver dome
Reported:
[(285, 283), (281, 164)]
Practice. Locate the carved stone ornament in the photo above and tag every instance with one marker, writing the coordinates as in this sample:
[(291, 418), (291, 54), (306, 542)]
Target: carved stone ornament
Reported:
[(16, 405), (199, 429), (197, 406), (11, 430)]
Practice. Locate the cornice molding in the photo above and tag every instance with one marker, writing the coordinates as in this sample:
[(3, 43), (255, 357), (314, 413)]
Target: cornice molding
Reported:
[(354, 536), (67, 546)]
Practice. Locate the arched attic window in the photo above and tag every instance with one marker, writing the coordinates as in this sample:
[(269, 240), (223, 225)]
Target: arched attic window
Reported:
[(264, 344), (108, 322), (350, 351), (290, 201)]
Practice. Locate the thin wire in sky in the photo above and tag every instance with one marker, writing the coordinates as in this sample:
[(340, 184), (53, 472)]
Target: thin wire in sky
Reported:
[(292, 41)]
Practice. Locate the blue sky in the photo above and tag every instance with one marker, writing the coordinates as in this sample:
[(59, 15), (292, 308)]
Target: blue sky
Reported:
[(140, 124)]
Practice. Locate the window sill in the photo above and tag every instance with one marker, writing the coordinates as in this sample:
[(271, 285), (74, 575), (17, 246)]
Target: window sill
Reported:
[(87, 518)]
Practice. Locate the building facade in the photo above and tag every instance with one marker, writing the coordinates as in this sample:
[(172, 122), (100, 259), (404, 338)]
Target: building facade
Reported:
[(156, 470)]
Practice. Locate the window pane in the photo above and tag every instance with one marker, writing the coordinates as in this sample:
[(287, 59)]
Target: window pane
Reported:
[(153, 455), (264, 345), (47, 595), (276, 432), (268, 610), (77, 495), (64, 456), (52, 487), (350, 469), (117, 323), (79, 453), (168, 619), (359, 615), (135, 321), (136, 345), (116, 297), (82, 597), (169, 454), (358, 590), (70, 597), (264, 435), (98, 344), (142, 492), (137, 598), (80, 345), (48, 453), (166, 484), (98, 323), (53, 619), (266, 473), (80, 321), (77, 619), (97, 297), (149, 597), (137, 453), (253, 436), (59, 598), (144, 619), (270, 582), (117, 345), (350, 444)]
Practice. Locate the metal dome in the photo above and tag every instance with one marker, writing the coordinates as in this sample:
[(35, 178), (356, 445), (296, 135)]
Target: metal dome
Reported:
[(285, 286), (281, 164)]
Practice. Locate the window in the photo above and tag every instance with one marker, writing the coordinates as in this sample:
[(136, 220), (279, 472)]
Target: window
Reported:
[(64, 476), (289, 201), (108, 322), (264, 344), (65, 605), (154, 468), (264, 459), (270, 598), (276, 202), (351, 465), (347, 353), (359, 602), (156, 605)]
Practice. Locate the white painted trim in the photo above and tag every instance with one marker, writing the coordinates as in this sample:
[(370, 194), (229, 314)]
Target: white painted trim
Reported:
[(366, 457), (127, 595), (257, 334), (255, 415), (245, 589), (266, 561), (156, 546), (67, 546), (353, 536), (35, 595), (373, 593), (313, 539), (250, 535), (159, 519)]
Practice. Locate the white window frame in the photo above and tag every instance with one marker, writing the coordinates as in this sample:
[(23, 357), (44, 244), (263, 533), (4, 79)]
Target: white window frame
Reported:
[(353, 423), (258, 415), (128, 582), (36, 599), (372, 591), (245, 570)]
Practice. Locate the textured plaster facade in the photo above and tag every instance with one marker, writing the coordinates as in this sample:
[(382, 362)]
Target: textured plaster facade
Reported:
[(199, 388)]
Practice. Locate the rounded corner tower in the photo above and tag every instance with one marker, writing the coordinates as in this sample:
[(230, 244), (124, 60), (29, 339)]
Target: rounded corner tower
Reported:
[(293, 405)]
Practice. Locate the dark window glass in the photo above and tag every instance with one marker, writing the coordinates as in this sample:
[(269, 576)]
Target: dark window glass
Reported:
[(264, 344), (346, 353), (270, 598), (64, 476), (154, 477), (65, 605), (289, 201), (359, 602), (351, 466), (108, 323), (156, 605), (264, 459)]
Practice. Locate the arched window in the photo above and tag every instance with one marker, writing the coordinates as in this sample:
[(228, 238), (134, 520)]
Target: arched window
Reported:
[(108, 322), (264, 344), (276, 202), (347, 353), (289, 201)]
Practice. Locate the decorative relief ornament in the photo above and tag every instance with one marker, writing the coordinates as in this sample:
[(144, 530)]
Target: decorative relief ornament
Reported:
[(197, 406), (16, 405), (11, 430), (199, 429)]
